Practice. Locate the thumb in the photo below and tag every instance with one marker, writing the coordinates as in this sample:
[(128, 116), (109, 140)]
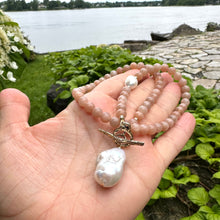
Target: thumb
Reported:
[(14, 107)]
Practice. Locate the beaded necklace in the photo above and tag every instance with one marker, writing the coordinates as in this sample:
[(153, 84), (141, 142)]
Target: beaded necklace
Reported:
[(110, 163)]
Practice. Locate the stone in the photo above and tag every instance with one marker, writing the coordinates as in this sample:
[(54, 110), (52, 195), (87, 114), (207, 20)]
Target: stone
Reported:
[(210, 57), (60, 104), (200, 55), (193, 70), (217, 86), (179, 66), (189, 61), (160, 37), (200, 64), (214, 64), (212, 26), (213, 52), (207, 83), (212, 74), (185, 29)]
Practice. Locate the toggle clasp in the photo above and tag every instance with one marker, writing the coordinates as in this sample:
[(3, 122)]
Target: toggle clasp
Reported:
[(122, 135)]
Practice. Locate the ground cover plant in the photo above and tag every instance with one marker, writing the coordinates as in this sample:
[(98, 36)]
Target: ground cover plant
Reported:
[(200, 195), (76, 68)]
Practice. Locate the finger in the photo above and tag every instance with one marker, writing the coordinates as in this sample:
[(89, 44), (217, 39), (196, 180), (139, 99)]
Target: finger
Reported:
[(14, 107), (171, 142)]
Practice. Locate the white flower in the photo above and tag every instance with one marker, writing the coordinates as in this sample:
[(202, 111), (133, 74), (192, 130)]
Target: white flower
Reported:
[(1, 74), (11, 77), (15, 49), (16, 39), (25, 42), (30, 47), (14, 65), (10, 34)]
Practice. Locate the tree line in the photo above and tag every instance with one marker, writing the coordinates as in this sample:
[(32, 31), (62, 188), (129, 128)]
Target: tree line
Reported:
[(21, 5), (189, 2)]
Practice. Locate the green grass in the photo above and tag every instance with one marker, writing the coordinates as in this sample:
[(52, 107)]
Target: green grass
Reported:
[(35, 81)]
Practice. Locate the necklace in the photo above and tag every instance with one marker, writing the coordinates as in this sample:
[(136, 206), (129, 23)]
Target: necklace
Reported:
[(110, 163)]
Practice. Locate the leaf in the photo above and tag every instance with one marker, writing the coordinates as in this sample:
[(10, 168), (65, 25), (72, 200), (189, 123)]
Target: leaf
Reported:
[(168, 175), (198, 196), (156, 194), (196, 216), (181, 171), (82, 79), (205, 209), (214, 160), (164, 184), (189, 145), (204, 151), (140, 216), (169, 193), (216, 175), (216, 209), (185, 180), (212, 216), (215, 193), (65, 94)]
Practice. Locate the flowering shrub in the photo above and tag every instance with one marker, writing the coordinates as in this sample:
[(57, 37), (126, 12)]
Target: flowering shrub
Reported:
[(15, 49)]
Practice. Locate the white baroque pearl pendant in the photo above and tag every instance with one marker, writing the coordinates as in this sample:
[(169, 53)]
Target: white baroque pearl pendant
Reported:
[(131, 81), (109, 167)]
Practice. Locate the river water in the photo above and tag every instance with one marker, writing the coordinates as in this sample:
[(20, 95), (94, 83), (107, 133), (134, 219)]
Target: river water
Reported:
[(73, 29)]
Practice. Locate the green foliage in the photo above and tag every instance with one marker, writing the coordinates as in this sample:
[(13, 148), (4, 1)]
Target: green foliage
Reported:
[(198, 196), (140, 217), (204, 145), (85, 65)]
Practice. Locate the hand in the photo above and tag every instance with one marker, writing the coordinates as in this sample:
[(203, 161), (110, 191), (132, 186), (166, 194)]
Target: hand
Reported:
[(47, 171)]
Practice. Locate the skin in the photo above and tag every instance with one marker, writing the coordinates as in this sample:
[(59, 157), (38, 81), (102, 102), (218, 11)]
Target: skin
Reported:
[(47, 170)]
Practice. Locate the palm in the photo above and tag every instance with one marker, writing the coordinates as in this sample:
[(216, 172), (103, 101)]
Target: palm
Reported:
[(47, 170)]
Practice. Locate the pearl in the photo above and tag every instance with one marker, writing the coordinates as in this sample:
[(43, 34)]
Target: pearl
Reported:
[(131, 81), (109, 167)]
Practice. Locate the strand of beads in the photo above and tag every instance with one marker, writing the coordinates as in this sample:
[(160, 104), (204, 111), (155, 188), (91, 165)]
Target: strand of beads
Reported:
[(146, 71)]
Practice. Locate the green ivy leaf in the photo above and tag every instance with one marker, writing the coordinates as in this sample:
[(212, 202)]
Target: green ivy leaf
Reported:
[(169, 193), (215, 193), (216, 175), (205, 151), (168, 175), (198, 196), (189, 145)]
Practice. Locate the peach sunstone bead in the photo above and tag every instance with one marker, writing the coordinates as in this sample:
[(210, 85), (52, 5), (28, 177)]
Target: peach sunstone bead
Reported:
[(131, 82)]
